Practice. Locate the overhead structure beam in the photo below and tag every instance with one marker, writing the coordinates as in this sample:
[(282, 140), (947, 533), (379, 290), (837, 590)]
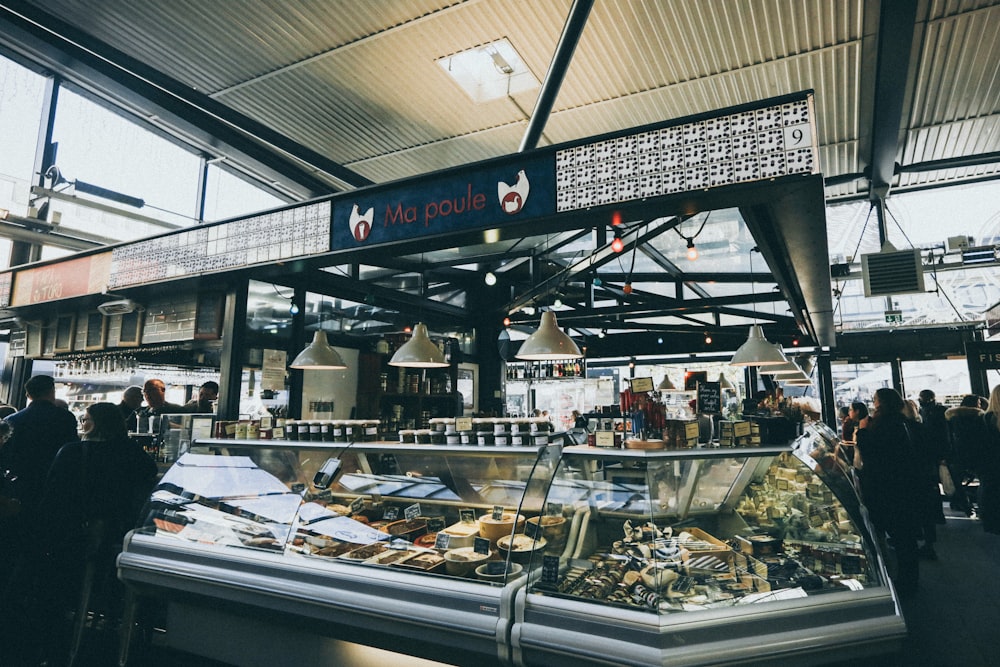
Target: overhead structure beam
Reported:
[(557, 72), (896, 44), (107, 73)]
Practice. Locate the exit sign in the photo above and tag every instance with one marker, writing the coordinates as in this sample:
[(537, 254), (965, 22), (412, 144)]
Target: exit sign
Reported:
[(894, 316)]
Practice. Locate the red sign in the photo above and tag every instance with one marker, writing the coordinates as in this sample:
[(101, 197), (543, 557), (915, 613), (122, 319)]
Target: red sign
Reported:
[(61, 280)]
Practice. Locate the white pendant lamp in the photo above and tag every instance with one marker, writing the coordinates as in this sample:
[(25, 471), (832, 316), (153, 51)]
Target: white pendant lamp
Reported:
[(800, 380), (666, 384), (757, 351), (318, 355), (548, 342), (724, 382), (419, 351)]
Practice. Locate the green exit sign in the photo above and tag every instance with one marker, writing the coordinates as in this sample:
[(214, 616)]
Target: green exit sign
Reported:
[(894, 316)]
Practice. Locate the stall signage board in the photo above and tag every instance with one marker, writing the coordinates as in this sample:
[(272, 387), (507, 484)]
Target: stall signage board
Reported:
[(640, 385), (983, 355), (709, 398), (69, 278)]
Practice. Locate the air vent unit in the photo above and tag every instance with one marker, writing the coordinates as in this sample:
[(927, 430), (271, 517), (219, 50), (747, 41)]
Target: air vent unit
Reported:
[(892, 271), (119, 307)]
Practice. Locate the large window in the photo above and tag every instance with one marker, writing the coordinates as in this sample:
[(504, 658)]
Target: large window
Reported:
[(227, 196), (21, 95)]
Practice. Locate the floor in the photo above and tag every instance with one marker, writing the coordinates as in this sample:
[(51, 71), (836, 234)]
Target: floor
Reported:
[(954, 619)]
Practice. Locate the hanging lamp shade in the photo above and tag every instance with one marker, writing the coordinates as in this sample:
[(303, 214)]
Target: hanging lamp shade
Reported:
[(419, 351), (756, 351), (778, 370), (724, 382), (318, 355), (800, 380), (548, 342), (666, 384)]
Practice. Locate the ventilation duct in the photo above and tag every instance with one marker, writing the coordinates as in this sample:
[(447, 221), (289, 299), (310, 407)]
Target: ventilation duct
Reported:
[(892, 271)]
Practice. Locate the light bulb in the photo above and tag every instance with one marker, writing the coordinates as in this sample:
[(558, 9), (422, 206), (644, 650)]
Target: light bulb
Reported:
[(618, 245), (692, 252), (708, 339), (506, 321), (490, 278), (557, 303), (294, 309)]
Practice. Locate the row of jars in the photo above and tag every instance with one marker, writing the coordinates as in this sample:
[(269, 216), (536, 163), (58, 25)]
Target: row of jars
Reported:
[(496, 425), (332, 430), (473, 438)]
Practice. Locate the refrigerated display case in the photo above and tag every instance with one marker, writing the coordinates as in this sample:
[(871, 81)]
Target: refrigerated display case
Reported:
[(708, 556), (389, 545)]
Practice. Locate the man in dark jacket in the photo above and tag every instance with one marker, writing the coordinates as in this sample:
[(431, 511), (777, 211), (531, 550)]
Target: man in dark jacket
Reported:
[(968, 437), (39, 430)]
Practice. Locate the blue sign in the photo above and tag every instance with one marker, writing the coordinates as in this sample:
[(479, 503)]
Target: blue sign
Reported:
[(513, 191)]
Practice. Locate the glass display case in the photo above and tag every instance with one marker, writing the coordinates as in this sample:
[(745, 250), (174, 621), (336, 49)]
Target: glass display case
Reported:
[(708, 556), (403, 546)]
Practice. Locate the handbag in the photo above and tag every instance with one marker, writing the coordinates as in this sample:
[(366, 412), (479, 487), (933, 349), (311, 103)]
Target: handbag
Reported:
[(947, 483)]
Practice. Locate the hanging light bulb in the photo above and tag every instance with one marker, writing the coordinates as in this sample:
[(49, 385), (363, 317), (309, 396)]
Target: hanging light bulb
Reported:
[(692, 252), (419, 351), (557, 303), (548, 342), (506, 321), (602, 333), (757, 351), (708, 338), (617, 244), (490, 278)]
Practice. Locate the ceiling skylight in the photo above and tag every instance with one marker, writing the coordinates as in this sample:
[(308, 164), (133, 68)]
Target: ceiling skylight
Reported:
[(489, 71)]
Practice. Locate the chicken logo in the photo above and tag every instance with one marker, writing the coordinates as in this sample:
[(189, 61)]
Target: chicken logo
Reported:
[(513, 197), (361, 225)]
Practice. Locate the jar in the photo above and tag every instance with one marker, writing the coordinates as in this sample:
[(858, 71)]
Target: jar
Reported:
[(302, 431), (437, 437), (501, 439), (484, 438), (326, 431), (253, 430), (350, 431), (423, 436), (517, 439), (499, 428), (452, 438), (438, 424), (370, 428), (539, 439), (337, 431), (407, 436), (467, 437)]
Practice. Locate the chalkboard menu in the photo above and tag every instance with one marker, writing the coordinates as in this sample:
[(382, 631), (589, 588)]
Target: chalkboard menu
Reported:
[(709, 398)]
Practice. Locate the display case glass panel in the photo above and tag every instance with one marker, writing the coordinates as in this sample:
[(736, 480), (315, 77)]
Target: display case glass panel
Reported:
[(440, 510), (692, 530)]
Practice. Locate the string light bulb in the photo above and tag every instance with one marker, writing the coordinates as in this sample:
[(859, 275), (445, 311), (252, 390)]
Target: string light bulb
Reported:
[(617, 244), (692, 252), (490, 278)]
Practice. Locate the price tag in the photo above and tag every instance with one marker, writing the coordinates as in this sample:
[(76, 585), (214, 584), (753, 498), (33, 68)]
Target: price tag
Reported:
[(553, 509), (463, 423), (357, 505), (498, 512), (325, 494), (467, 516), (691, 430), (390, 514), (481, 545), (435, 524), (399, 544), (550, 570), (496, 567), (412, 512), (532, 530), (604, 438), (442, 540), (741, 429)]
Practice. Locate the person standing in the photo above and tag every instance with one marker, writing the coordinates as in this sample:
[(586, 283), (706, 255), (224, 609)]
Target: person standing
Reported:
[(208, 393), (989, 467), (929, 505), (39, 430), (109, 479), (891, 482), (155, 392), (968, 434), (130, 403)]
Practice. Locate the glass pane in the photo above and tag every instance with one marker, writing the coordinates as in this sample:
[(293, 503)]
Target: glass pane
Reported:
[(21, 95), (101, 148), (228, 196)]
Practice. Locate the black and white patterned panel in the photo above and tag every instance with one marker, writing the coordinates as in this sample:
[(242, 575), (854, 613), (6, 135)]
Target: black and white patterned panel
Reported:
[(271, 237), (6, 281), (742, 147)]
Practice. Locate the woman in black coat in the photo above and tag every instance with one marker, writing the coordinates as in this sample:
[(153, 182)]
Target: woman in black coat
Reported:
[(891, 482), (989, 467)]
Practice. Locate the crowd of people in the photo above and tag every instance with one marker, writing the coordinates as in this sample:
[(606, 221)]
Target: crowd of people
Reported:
[(67, 498), (907, 454)]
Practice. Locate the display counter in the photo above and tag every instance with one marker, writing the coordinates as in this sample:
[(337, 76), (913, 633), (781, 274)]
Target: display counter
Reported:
[(512, 555), (378, 543), (708, 556)]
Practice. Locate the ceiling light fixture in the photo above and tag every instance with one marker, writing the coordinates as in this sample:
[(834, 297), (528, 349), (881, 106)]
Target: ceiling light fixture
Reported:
[(756, 351), (692, 252), (319, 355), (708, 338), (617, 244), (548, 342), (665, 384), (419, 351), (724, 382)]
